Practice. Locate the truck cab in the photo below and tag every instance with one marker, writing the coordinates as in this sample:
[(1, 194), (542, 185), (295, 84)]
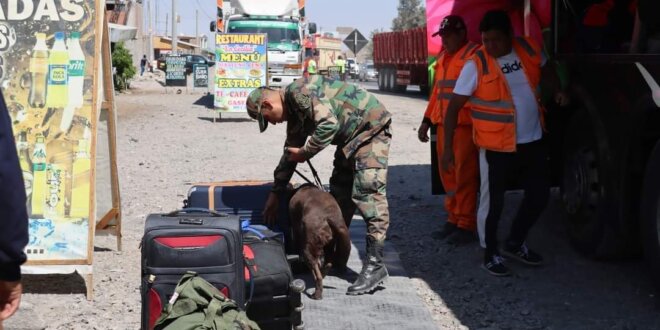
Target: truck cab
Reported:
[(285, 28)]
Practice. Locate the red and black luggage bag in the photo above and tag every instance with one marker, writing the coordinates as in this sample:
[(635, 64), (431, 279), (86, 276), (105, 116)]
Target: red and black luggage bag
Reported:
[(273, 295), (203, 241)]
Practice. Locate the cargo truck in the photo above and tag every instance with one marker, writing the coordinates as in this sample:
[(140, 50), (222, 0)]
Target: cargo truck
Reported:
[(285, 26), (604, 148)]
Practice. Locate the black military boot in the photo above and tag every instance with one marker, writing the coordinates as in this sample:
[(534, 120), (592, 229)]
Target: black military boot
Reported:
[(373, 271)]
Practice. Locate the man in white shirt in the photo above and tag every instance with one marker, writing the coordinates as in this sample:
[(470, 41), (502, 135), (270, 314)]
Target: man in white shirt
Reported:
[(502, 83)]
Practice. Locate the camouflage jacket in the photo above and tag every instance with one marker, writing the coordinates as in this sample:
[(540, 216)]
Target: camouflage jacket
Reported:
[(328, 112)]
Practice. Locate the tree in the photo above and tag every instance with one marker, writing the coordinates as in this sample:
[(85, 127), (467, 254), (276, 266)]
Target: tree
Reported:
[(369, 48), (412, 14), (122, 61)]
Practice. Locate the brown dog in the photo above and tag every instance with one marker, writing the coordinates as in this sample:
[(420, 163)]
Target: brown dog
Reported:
[(320, 231)]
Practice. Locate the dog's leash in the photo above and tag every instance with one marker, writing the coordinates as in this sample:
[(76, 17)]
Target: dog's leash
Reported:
[(317, 180)]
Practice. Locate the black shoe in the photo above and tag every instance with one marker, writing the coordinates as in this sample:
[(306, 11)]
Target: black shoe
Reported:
[(462, 237), (373, 272), (495, 266), (448, 229), (523, 254)]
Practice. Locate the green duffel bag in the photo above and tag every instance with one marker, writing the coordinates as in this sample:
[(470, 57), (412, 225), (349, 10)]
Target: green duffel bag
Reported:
[(198, 305)]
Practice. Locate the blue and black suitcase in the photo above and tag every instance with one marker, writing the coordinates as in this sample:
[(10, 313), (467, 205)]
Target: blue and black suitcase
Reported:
[(245, 199)]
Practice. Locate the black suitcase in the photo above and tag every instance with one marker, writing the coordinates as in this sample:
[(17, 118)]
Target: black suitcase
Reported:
[(246, 199), (273, 295), (198, 240)]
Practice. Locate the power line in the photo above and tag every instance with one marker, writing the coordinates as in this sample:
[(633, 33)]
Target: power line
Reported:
[(199, 6)]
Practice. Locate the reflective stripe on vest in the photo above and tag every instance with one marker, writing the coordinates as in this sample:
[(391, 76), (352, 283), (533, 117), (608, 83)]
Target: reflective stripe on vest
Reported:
[(526, 46), (505, 105), (500, 118), (449, 83), (484, 63)]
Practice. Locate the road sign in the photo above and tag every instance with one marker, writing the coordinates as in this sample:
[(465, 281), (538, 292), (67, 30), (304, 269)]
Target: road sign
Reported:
[(355, 41)]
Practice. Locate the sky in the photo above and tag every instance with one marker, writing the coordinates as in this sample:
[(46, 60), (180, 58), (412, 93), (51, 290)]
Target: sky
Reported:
[(365, 15)]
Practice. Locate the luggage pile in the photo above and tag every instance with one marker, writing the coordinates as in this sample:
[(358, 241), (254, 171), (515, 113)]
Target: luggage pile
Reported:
[(218, 238)]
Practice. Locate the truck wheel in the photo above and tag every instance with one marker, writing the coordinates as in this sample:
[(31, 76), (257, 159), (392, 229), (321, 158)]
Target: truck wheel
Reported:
[(391, 79), (650, 212), (400, 88), (381, 79), (589, 193)]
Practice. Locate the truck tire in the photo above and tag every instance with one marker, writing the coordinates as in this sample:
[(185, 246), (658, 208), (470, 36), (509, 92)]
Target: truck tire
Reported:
[(399, 88), (650, 213), (389, 77), (381, 79), (590, 194)]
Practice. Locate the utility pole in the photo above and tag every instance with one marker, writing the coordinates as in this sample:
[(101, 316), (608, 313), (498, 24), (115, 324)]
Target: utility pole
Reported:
[(174, 46), (167, 25), (197, 31), (156, 16), (150, 34)]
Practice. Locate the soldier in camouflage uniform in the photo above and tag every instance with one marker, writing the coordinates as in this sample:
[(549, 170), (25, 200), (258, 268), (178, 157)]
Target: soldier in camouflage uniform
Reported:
[(333, 112)]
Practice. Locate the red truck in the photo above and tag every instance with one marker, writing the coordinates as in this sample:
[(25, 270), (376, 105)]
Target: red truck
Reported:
[(401, 60), (604, 148)]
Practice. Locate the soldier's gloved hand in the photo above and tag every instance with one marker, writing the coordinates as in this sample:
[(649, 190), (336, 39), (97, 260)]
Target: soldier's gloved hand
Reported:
[(296, 155), (270, 209), (422, 132)]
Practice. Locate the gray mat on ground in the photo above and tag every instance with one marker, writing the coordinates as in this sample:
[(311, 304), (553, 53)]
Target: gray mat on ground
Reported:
[(395, 306)]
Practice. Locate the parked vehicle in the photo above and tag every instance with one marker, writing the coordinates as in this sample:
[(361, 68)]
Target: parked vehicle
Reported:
[(191, 59), (400, 57), (352, 68), (281, 20), (368, 72)]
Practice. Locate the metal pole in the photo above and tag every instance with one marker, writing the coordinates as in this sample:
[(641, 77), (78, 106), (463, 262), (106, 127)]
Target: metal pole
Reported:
[(174, 42), (167, 25), (197, 31), (150, 35), (156, 16)]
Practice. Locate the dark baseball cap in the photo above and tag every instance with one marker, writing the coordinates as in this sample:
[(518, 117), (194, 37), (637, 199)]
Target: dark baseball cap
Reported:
[(451, 23)]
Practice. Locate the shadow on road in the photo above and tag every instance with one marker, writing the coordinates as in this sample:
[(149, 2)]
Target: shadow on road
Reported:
[(205, 101), (568, 292), (43, 284), (225, 120)]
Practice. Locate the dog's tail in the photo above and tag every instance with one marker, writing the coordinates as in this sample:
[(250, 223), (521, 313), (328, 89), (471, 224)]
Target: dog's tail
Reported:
[(342, 242)]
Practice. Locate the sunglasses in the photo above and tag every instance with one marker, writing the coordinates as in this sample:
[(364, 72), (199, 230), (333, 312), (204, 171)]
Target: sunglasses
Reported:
[(263, 124)]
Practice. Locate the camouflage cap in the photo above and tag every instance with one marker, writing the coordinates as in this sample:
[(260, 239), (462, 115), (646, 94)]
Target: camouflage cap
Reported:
[(253, 105)]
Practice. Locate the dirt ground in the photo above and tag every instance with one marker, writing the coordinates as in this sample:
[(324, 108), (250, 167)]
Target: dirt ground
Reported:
[(166, 141)]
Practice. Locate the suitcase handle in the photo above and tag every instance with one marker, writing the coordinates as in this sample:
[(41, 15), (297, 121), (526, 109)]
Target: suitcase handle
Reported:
[(189, 210)]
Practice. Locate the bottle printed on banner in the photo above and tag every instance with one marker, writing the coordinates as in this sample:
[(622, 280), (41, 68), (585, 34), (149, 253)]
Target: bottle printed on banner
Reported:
[(39, 72), (81, 187), (39, 173), (24, 159), (57, 95), (76, 80), (55, 192)]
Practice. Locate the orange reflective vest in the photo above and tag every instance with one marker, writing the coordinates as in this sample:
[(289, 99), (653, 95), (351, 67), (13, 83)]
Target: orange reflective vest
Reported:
[(445, 81), (493, 111)]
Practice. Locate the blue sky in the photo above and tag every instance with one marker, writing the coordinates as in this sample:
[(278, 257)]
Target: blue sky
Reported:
[(365, 15)]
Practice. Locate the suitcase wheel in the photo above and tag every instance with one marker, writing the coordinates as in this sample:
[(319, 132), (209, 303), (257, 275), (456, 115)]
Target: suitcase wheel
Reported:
[(298, 285), (300, 308)]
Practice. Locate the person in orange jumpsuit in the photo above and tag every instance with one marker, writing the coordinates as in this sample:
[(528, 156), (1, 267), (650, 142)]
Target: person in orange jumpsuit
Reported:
[(461, 182)]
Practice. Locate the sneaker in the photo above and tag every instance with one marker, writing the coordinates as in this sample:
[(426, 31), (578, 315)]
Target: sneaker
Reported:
[(461, 236), (495, 266), (448, 229), (523, 254)]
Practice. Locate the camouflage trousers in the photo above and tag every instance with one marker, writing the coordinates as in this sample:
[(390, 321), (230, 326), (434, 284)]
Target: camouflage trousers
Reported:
[(361, 181)]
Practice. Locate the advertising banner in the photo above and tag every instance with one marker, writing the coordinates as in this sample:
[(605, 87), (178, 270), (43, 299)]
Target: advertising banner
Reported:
[(175, 70), (47, 74), (241, 67), (201, 75)]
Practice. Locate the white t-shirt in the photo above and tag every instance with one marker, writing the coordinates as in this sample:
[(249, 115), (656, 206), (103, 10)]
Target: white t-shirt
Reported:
[(528, 125)]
